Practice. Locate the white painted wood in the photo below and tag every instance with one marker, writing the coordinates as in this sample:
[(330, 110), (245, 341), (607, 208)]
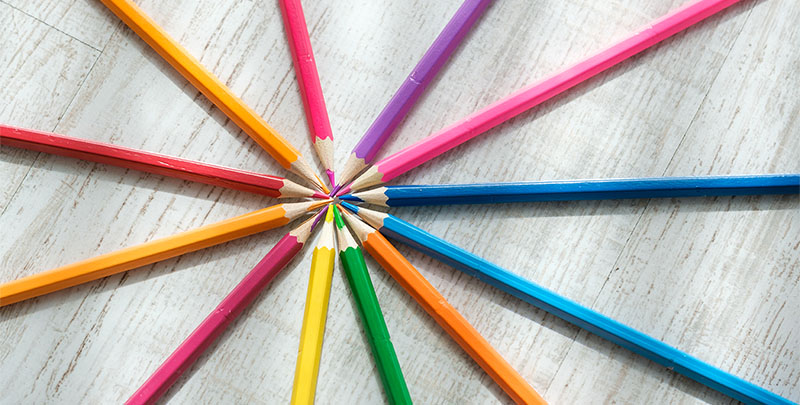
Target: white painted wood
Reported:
[(716, 277)]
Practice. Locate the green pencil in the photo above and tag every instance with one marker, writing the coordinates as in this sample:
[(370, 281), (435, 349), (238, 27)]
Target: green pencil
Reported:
[(371, 317)]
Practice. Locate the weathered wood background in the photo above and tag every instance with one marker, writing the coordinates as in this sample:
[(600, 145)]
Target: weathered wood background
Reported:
[(716, 277)]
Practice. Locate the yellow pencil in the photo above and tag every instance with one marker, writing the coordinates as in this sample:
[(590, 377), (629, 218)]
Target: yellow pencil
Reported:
[(213, 88), (319, 290), (153, 251)]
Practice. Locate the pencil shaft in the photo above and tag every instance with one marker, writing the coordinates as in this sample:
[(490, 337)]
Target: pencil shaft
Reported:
[(576, 314), (202, 79), (217, 321), (307, 77), (546, 89), (419, 79), (316, 311), (383, 351), (143, 254), (135, 159), (451, 320), (660, 187)]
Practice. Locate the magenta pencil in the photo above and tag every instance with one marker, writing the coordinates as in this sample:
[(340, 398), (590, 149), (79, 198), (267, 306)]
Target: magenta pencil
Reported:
[(531, 96), (310, 87), (237, 300)]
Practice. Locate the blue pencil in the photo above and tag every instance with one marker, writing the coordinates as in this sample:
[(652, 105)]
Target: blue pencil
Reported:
[(567, 310), (489, 193)]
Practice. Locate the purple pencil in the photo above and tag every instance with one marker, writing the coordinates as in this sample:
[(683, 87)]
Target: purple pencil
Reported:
[(408, 93)]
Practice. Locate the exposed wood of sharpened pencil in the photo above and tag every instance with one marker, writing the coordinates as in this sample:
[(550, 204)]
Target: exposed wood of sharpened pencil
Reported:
[(153, 251), (531, 96), (358, 278), (571, 190), (203, 80), (570, 311), (308, 79), (445, 315), (218, 320), (412, 88), (316, 312), (150, 162)]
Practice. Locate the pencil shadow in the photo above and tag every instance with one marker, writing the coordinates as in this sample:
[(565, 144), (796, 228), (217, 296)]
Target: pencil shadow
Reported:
[(229, 331), (132, 277), (442, 71), (478, 144), (632, 207), (421, 317), (611, 351), (140, 180), (201, 101)]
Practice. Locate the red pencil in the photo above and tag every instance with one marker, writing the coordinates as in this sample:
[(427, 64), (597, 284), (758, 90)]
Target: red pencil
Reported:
[(308, 78), (531, 96), (237, 300), (164, 165)]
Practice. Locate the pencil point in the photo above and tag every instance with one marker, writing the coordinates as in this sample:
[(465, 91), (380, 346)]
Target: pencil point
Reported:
[(343, 190), (331, 176), (350, 207), (319, 216), (323, 196), (350, 197)]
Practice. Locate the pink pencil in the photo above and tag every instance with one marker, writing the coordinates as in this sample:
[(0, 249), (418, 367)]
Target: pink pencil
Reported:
[(237, 300), (308, 79), (531, 96)]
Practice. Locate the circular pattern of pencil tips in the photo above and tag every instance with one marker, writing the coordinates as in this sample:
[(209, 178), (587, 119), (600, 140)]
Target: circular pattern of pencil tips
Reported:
[(333, 212)]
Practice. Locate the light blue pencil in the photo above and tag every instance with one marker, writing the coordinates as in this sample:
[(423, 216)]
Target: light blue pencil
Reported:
[(566, 309)]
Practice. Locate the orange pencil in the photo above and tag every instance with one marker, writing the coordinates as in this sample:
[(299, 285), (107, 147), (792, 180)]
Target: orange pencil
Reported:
[(153, 251), (219, 94), (443, 313)]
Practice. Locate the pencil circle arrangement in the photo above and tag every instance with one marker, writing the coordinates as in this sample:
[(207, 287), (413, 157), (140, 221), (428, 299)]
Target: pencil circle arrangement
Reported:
[(341, 205)]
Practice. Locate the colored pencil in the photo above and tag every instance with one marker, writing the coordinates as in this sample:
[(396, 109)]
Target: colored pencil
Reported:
[(203, 80), (444, 314), (308, 79), (531, 96), (156, 163), (311, 334), (412, 88), (218, 320), (571, 190), (153, 251), (355, 270), (566, 309)]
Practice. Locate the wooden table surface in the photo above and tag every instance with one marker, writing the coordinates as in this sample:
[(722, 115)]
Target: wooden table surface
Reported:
[(716, 277)]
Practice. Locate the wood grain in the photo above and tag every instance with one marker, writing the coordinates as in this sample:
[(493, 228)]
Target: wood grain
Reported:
[(717, 277)]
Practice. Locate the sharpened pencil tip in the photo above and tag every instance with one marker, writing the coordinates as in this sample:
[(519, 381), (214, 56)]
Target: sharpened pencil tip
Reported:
[(331, 176), (316, 204), (350, 197), (343, 190), (337, 218), (319, 216), (350, 207), (317, 194)]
